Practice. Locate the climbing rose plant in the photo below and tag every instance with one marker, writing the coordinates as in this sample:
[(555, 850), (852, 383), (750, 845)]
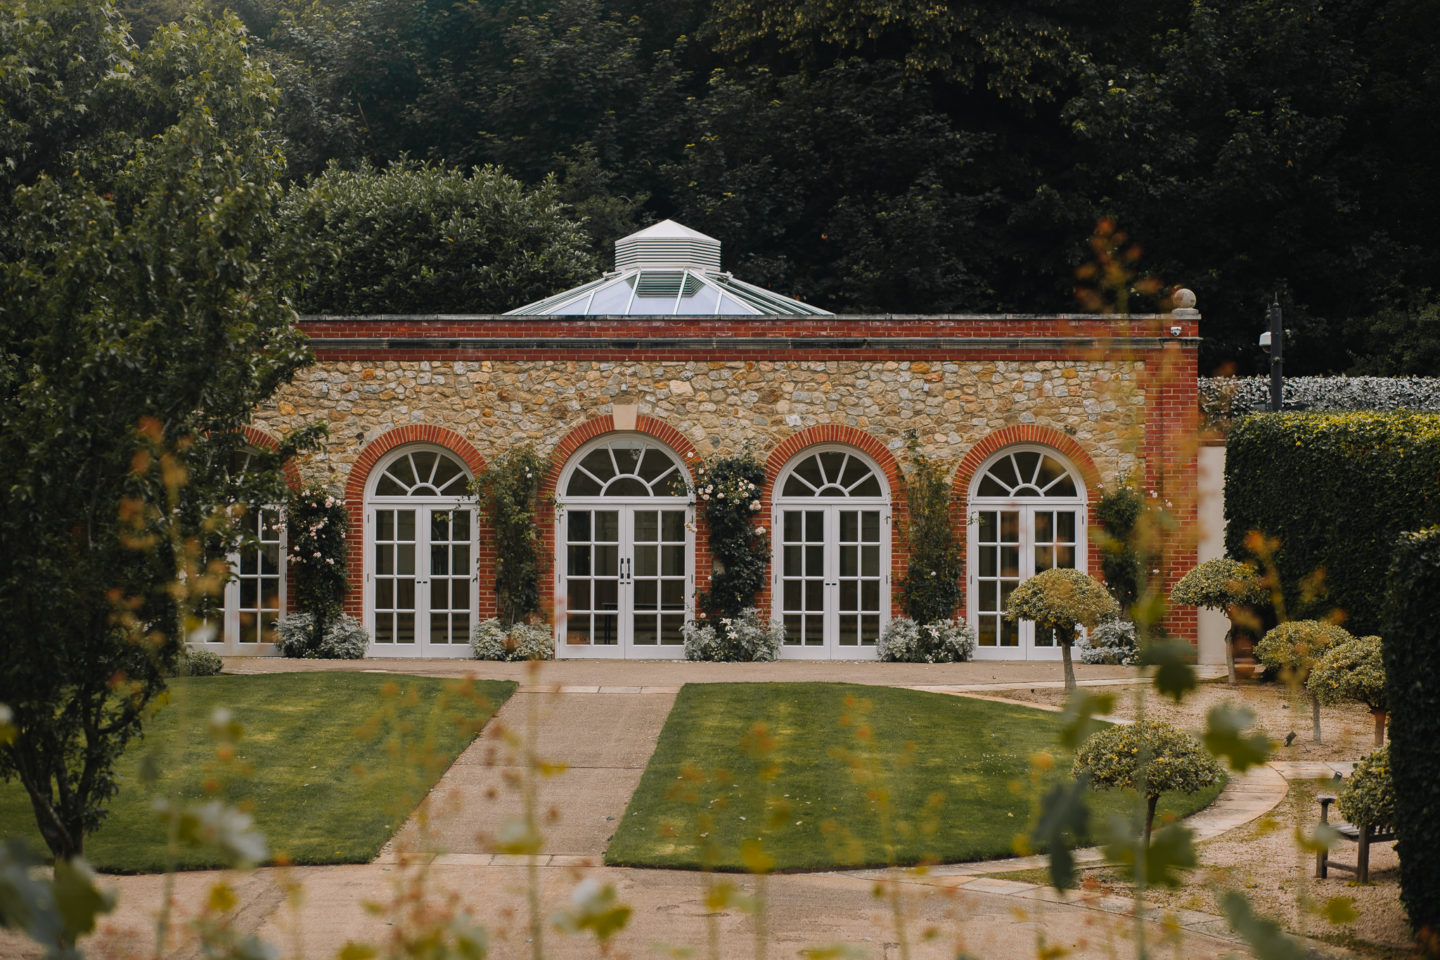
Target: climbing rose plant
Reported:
[(729, 489), (931, 587), (315, 526), (509, 493)]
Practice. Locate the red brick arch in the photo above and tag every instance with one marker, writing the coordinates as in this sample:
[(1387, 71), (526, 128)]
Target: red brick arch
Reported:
[(796, 444), (263, 441), (359, 478), (1011, 436), (598, 427)]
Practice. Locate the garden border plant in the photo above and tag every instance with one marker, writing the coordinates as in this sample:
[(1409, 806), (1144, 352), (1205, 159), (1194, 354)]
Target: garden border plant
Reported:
[(930, 589)]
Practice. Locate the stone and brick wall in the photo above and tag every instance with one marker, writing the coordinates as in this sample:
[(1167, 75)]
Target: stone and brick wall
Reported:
[(1115, 396)]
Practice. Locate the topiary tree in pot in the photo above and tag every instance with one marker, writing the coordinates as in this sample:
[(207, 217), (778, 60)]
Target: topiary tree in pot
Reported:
[(1353, 671), (1221, 584), (1151, 757), (1063, 601), (1294, 648)]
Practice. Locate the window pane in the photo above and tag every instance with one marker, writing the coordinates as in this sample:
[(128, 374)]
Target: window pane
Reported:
[(577, 525), (870, 560), (403, 473), (577, 629), (607, 629), (405, 558), (1027, 462), (598, 462), (578, 563), (814, 596), (670, 629), (405, 628), (459, 594), (405, 520), (578, 593), (849, 526), (793, 628), (870, 487), (646, 564), (583, 485), (849, 631), (424, 462), (607, 526), (672, 526), (672, 561), (627, 487), (646, 631), (647, 526), (870, 526), (1004, 472), (646, 595), (831, 463), (384, 524), (1066, 524), (672, 594)]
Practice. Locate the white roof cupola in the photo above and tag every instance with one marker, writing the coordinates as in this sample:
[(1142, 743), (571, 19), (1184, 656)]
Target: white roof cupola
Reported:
[(667, 270)]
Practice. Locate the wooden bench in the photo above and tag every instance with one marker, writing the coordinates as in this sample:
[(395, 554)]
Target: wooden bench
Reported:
[(1364, 836)]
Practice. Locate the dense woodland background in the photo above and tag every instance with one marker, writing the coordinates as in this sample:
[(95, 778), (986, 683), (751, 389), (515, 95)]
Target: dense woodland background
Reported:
[(909, 156)]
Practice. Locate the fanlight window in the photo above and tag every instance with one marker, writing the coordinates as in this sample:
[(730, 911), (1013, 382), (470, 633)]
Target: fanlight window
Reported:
[(832, 473), (422, 473), (626, 468), (1027, 473)]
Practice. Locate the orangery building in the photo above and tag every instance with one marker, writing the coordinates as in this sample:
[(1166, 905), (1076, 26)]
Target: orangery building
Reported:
[(631, 382)]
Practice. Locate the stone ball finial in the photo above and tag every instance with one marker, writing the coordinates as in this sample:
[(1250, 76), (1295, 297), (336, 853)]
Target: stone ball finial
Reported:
[(1182, 303)]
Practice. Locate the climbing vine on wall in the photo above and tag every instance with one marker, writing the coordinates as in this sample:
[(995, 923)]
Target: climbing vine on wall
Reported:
[(729, 489), (931, 589), (315, 530), (509, 493)]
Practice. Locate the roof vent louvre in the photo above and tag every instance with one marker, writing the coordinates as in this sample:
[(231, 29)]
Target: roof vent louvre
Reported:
[(667, 245)]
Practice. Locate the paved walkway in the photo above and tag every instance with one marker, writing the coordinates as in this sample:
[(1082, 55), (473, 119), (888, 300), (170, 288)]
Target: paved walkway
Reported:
[(603, 730)]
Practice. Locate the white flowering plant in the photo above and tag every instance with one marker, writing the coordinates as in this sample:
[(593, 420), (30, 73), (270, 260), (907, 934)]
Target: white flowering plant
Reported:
[(343, 638), (494, 640), (733, 639), (940, 641), (1112, 641), (315, 526)]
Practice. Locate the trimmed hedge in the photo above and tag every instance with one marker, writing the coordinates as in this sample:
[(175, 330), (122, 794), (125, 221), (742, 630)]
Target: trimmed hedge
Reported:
[(1223, 399), (1335, 489), (1412, 680)]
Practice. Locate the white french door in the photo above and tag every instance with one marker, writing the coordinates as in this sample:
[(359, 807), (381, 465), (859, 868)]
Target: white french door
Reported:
[(626, 579), (420, 579), (1027, 512), (832, 578)]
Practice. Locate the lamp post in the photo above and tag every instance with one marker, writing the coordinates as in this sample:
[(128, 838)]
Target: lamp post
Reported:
[(1273, 342)]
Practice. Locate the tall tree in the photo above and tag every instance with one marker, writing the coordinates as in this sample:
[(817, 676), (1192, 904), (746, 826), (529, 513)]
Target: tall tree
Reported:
[(140, 325)]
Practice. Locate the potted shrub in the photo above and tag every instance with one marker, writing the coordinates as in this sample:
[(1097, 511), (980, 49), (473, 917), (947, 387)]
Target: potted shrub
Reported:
[(1226, 585), (1354, 671)]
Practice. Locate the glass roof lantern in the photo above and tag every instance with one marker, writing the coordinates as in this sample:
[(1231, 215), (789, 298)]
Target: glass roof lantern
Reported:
[(667, 270)]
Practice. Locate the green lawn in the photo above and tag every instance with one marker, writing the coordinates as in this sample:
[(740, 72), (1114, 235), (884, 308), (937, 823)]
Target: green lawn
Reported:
[(956, 772), (329, 764)]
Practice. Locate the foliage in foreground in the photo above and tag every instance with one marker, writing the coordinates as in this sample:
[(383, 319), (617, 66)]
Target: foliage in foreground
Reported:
[(141, 324), (1412, 679)]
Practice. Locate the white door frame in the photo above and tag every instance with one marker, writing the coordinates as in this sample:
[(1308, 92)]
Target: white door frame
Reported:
[(424, 506), (625, 507), (831, 507), (1026, 506)]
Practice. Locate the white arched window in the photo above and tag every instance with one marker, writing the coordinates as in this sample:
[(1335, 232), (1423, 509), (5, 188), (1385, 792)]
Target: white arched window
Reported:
[(420, 548), (831, 571), (625, 550), (1028, 514)]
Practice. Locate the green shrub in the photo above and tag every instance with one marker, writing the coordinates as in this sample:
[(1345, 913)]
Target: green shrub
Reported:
[(493, 640), (198, 662), (1335, 545), (1112, 642), (942, 641), (1354, 671), (1117, 512), (1062, 600), (930, 589), (729, 489), (1412, 682), (1152, 757), (343, 638), (1367, 798)]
